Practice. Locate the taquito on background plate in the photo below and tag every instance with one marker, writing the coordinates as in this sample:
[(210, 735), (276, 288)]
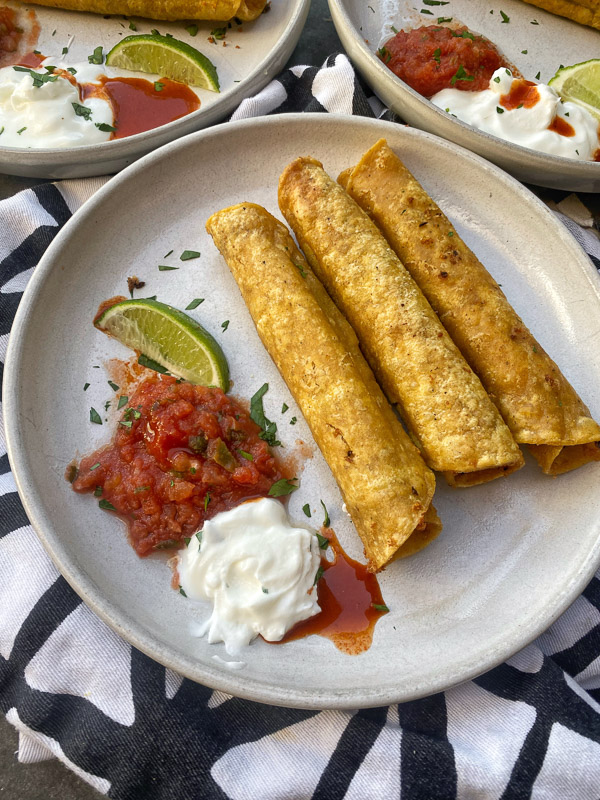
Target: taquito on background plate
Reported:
[(537, 402), (586, 12), (445, 407), (244, 10), (385, 484)]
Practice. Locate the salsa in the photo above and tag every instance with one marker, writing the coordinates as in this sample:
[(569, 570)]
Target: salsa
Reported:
[(350, 601), (139, 105), (433, 58), (181, 454), (19, 31)]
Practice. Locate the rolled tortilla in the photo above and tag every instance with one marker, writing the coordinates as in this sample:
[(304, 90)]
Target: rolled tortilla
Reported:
[(385, 484), (244, 10), (537, 402), (445, 407), (586, 12)]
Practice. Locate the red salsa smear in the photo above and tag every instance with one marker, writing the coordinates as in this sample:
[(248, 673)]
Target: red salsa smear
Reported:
[(140, 105), (350, 601), (433, 58), (522, 94), (181, 454)]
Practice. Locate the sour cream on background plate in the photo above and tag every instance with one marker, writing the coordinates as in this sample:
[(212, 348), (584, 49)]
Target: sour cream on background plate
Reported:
[(46, 115), (542, 121)]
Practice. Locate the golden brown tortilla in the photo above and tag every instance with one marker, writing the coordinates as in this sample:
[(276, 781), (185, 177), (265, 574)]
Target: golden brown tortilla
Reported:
[(447, 411), (586, 12), (538, 404), (166, 9), (385, 484)]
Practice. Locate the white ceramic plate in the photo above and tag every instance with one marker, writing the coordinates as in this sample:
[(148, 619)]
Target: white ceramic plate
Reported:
[(364, 27), (264, 47), (513, 554)]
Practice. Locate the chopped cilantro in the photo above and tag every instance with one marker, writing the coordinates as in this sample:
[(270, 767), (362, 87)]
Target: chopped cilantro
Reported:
[(225, 325), (257, 414), (95, 416), (86, 386), (436, 55), (98, 491), (537, 77), (158, 86), (82, 111), (105, 127), (219, 33), (524, 52), (323, 541), (65, 50), (384, 54), (123, 400), (394, 30), (284, 408), (206, 502), (113, 386), (283, 487), (181, 591), (194, 304), (306, 509), (144, 361), (165, 268), (505, 17), (444, 19), (192, 29), (94, 466), (461, 75), (106, 505), (435, 2), (247, 456), (319, 575), (379, 607), (96, 57), (187, 255), (499, 110), (326, 521)]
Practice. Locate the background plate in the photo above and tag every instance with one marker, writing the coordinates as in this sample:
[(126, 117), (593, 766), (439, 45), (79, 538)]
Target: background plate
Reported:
[(363, 28), (264, 47), (513, 554)]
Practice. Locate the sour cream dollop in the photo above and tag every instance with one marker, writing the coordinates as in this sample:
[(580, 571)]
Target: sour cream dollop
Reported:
[(256, 569), (45, 116), (527, 126)]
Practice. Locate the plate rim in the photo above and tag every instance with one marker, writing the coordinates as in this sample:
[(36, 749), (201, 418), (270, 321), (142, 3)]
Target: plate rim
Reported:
[(114, 149), (367, 61), (133, 631)]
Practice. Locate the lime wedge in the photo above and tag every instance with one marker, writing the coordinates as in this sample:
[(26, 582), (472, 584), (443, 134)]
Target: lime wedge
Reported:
[(167, 336), (167, 57), (580, 84)]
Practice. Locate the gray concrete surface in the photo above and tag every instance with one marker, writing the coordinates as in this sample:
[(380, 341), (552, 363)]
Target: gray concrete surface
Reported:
[(50, 780)]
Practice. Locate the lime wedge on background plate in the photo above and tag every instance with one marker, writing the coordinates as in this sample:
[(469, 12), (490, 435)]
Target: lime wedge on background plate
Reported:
[(167, 57), (580, 84), (169, 337)]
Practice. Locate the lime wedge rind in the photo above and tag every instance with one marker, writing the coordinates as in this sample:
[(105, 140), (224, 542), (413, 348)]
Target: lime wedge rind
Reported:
[(167, 57), (580, 84), (170, 337)]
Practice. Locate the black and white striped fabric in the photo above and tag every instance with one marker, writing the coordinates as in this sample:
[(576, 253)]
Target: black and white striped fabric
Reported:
[(137, 731)]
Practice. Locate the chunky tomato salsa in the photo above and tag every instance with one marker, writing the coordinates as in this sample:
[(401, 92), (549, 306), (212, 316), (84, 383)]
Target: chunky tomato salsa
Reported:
[(181, 454), (433, 58)]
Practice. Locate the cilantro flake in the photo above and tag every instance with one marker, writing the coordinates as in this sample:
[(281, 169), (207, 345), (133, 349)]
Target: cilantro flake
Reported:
[(194, 304), (105, 127), (192, 29), (380, 607), (326, 521), (187, 255), (306, 509), (165, 268), (283, 487), (319, 575), (113, 386), (123, 400), (95, 416), (323, 541), (97, 56), (225, 325), (106, 505), (86, 386), (505, 17)]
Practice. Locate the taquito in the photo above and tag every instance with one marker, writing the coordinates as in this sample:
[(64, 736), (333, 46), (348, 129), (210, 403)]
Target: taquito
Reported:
[(446, 409), (586, 12), (537, 402), (385, 484), (222, 10)]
